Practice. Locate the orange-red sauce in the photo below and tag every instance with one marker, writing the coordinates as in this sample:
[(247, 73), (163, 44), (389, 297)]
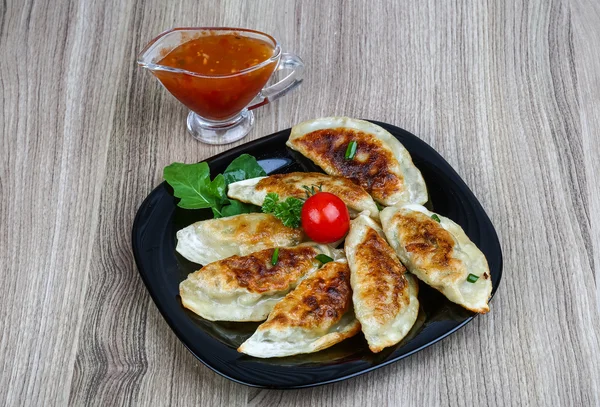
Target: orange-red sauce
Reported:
[(225, 89)]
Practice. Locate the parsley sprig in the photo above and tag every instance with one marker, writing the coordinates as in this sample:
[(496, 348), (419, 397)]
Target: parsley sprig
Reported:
[(287, 211)]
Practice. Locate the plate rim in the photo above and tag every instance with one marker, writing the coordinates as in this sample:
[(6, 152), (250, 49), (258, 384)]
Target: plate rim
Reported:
[(256, 143)]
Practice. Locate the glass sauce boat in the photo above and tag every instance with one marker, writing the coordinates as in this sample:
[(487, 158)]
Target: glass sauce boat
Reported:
[(221, 103)]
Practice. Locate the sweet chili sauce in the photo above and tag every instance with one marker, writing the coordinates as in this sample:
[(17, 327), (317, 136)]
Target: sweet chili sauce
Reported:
[(226, 82)]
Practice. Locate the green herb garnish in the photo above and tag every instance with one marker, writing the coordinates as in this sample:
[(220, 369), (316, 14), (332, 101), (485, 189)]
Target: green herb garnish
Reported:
[(323, 258), (313, 189), (435, 218), (287, 211), (243, 167), (379, 206), (270, 202), (236, 208), (275, 256), (350, 150), (472, 278), (191, 183)]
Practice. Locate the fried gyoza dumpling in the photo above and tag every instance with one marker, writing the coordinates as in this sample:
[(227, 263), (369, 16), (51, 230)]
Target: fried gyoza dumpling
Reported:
[(440, 254), (291, 185), (316, 315), (216, 239), (381, 164), (246, 288), (384, 295)]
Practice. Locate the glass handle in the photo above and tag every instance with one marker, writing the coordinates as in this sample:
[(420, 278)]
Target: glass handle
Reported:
[(271, 93)]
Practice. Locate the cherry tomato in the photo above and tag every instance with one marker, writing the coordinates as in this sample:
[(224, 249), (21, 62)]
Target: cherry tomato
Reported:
[(325, 218)]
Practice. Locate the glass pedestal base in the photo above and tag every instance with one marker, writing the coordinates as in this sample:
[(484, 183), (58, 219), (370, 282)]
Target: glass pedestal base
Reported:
[(225, 132)]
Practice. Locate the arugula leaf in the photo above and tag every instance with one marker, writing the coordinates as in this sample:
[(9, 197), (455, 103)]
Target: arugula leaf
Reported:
[(218, 187), (237, 207), (191, 183), (243, 167), (287, 211)]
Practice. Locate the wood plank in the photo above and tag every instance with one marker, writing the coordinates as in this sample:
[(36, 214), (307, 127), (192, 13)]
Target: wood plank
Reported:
[(585, 36), (54, 149)]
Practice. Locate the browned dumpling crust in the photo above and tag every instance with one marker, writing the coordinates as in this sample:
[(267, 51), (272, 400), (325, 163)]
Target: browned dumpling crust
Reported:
[(246, 288), (383, 287), (255, 190), (214, 239), (372, 168), (255, 272), (440, 254), (429, 244), (315, 316), (385, 296), (318, 302), (381, 165)]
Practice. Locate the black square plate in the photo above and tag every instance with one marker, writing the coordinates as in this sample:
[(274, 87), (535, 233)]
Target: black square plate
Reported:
[(215, 343)]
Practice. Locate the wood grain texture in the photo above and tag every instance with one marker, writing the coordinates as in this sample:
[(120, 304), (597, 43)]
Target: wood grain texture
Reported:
[(507, 91)]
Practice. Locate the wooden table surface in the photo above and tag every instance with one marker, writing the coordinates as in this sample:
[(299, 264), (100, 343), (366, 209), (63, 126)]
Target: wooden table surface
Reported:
[(507, 91)]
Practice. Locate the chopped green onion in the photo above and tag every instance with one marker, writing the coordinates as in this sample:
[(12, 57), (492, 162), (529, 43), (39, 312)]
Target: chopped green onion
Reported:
[(275, 256), (323, 258), (472, 278), (351, 150), (435, 218)]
